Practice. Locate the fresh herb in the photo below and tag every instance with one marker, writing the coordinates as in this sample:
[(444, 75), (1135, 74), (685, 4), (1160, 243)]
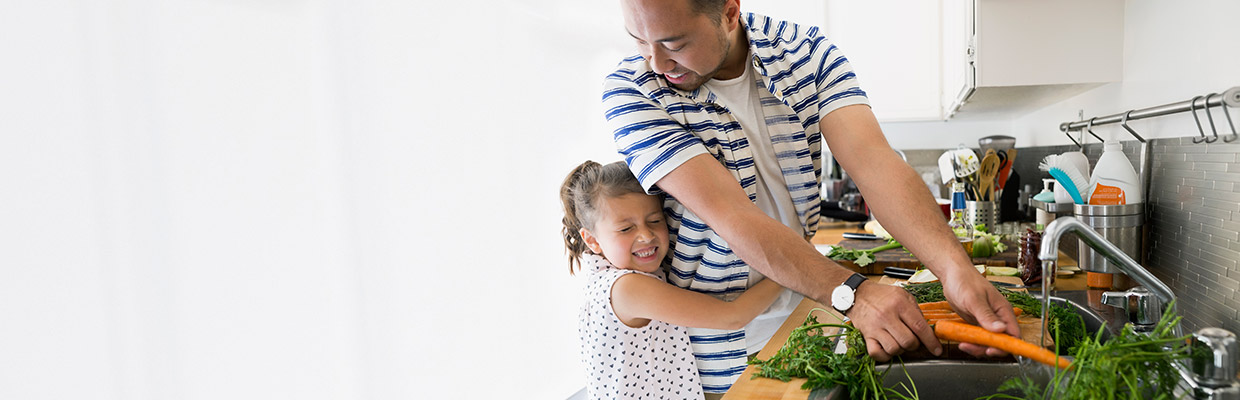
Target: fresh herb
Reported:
[(862, 257), (809, 353), (928, 292), (1129, 366)]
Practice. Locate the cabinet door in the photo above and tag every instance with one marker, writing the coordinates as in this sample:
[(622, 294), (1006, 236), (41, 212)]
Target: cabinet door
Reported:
[(958, 54)]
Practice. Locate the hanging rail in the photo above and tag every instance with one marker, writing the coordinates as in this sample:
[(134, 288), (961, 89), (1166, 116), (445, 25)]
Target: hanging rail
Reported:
[(1229, 97)]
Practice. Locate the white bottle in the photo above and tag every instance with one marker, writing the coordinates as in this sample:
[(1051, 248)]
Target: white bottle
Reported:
[(1114, 181)]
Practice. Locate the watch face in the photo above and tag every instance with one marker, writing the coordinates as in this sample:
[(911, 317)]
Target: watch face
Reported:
[(842, 298)]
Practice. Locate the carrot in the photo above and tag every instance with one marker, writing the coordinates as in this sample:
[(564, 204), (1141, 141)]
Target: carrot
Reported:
[(933, 321), (1018, 311), (964, 333), (937, 305)]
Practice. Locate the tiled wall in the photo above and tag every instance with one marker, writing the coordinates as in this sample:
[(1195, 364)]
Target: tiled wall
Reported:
[(1193, 220)]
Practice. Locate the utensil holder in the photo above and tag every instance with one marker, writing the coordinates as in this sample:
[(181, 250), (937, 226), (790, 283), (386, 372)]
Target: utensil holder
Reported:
[(1120, 225), (982, 212)]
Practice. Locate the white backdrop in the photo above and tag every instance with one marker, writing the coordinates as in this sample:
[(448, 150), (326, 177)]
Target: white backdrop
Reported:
[(327, 199), (283, 199)]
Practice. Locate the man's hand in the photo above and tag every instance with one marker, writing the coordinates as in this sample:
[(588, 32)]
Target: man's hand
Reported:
[(977, 301), (891, 322)]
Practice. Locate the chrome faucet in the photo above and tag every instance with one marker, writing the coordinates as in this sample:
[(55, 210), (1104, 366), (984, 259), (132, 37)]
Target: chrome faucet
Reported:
[(1136, 303), (1211, 373)]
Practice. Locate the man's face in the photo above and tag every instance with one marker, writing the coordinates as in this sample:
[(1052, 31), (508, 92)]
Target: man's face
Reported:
[(685, 47)]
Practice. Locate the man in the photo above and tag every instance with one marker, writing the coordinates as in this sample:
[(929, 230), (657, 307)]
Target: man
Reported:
[(726, 112)]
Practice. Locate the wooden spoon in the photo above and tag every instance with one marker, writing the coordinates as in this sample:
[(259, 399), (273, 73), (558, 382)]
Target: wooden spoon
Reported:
[(986, 175)]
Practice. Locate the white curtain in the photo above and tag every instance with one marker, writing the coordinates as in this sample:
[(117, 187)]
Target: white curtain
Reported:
[(293, 199)]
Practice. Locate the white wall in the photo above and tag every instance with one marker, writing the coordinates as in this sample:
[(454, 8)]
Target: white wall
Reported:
[(317, 199), (1173, 51), (329, 199)]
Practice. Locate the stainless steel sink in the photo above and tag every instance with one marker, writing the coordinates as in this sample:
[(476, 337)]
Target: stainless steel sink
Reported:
[(950, 379), (970, 379)]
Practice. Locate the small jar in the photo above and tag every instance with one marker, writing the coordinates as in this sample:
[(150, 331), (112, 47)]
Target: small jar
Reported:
[(1028, 263)]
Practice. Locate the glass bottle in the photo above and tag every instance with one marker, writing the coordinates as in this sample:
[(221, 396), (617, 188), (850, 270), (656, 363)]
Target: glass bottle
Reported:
[(959, 224)]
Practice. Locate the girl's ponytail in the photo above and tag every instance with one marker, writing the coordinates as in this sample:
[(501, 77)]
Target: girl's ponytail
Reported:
[(580, 194), (574, 244)]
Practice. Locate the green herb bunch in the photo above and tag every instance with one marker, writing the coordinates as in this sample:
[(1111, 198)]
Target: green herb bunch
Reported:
[(809, 353)]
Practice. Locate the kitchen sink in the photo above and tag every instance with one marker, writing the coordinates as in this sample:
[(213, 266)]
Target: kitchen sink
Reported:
[(970, 379), (950, 379)]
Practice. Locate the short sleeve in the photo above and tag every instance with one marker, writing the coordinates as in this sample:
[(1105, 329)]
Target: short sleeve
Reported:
[(651, 141), (837, 83)]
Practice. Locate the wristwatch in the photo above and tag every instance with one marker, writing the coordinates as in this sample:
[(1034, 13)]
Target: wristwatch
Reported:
[(843, 296)]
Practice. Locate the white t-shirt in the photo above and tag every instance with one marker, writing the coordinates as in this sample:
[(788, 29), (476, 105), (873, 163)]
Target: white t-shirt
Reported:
[(622, 362), (744, 98)]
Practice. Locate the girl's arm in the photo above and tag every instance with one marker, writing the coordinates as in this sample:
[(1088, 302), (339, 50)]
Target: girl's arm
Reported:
[(637, 299)]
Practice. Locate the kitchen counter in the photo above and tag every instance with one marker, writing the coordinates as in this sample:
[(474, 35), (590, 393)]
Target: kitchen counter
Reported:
[(762, 388)]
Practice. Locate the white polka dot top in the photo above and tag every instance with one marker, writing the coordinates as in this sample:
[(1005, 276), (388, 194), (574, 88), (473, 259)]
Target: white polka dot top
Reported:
[(651, 362)]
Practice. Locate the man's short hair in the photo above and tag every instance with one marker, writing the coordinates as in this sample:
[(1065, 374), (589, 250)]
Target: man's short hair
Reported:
[(709, 8)]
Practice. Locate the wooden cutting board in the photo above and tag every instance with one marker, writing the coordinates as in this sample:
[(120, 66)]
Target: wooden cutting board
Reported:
[(748, 388), (902, 258)]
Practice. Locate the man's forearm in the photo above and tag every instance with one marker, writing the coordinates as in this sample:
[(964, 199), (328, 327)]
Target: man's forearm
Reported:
[(781, 254)]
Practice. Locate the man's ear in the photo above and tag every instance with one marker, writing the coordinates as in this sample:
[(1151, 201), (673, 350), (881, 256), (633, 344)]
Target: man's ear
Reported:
[(591, 241), (731, 14)]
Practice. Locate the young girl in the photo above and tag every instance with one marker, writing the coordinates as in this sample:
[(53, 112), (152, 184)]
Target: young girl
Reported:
[(632, 324)]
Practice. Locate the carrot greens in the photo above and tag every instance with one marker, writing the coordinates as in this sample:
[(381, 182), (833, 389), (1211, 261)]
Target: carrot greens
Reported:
[(809, 353), (1129, 366)]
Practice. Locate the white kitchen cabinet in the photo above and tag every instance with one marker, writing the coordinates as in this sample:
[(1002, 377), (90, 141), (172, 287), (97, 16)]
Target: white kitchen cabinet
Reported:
[(1025, 54), (968, 59)]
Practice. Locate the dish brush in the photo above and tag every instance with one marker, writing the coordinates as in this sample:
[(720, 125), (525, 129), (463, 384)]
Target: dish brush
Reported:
[(1072, 180)]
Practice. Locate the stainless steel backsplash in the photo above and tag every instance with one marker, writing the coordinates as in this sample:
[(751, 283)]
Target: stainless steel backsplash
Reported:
[(1193, 222)]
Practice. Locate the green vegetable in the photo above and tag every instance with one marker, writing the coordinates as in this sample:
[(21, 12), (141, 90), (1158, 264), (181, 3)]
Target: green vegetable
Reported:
[(809, 353), (1129, 366), (982, 247), (990, 244), (862, 257)]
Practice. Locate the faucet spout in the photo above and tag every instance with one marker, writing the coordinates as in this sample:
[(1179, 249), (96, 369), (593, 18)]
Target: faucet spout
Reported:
[(1057, 228)]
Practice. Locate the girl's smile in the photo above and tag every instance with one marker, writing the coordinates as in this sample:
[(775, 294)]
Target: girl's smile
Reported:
[(630, 232)]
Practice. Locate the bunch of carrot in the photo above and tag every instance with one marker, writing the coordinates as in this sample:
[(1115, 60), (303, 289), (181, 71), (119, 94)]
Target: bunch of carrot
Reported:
[(942, 311), (950, 326)]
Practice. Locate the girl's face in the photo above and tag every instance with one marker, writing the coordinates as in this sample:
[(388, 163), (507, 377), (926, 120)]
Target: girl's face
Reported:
[(630, 232)]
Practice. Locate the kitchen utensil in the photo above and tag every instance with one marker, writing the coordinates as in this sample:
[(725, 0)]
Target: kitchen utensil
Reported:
[(947, 168), (898, 273), (1008, 285), (1006, 169), (986, 175), (1000, 143), (966, 162), (1009, 207), (861, 236)]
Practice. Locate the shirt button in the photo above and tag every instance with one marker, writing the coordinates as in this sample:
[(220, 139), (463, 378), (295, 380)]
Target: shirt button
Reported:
[(757, 65)]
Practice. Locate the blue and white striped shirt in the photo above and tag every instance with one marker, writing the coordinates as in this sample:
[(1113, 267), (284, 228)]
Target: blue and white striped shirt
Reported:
[(658, 127)]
